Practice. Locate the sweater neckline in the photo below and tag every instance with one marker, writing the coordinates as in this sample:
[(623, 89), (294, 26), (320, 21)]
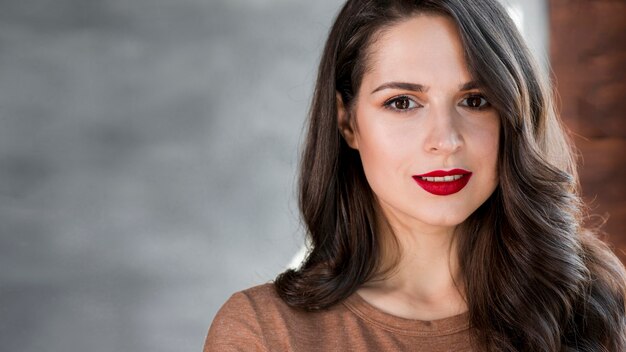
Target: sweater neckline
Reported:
[(438, 327)]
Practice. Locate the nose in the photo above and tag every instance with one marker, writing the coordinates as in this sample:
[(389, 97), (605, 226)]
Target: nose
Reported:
[(444, 136)]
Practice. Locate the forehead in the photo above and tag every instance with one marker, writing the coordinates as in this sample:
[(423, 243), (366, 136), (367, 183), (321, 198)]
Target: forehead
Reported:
[(425, 49)]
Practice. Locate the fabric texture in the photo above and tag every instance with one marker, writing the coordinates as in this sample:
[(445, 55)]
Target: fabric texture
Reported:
[(257, 319)]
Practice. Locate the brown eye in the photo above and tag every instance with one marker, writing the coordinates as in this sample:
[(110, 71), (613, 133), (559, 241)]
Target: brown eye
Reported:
[(475, 102), (401, 104)]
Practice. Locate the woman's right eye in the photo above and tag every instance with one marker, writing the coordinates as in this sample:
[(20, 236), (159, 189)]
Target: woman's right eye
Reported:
[(402, 103)]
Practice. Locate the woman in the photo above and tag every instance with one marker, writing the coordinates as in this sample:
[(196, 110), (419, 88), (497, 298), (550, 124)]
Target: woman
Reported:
[(440, 197)]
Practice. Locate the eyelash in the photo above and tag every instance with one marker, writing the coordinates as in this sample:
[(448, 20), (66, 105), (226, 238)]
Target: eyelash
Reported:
[(388, 103)]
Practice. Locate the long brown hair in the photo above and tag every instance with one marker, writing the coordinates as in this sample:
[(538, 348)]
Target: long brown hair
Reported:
[(535, 279)]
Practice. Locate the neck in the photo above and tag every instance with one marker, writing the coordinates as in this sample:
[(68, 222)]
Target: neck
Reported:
[(426, 282)]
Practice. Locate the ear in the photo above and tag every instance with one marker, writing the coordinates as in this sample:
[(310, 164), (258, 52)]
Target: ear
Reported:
[(345, 124)]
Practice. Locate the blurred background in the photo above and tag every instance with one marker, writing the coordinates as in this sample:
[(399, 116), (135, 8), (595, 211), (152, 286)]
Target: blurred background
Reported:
[(148, 154)]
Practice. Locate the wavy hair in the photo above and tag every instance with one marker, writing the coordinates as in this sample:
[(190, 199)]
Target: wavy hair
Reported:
[(535, 278)]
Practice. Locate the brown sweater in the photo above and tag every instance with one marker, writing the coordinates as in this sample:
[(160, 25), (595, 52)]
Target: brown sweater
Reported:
[(257, 319)]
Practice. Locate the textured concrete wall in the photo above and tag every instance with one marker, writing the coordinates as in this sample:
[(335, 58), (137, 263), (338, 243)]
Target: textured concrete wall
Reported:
[(589, 60), (147, 163)]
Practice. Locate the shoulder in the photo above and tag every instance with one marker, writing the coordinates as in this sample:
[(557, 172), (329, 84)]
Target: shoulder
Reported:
[(261, 294), (257, 319), (259, 302), (241, 322)]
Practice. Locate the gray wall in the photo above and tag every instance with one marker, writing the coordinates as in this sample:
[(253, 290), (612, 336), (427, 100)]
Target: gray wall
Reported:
[(147, 163)]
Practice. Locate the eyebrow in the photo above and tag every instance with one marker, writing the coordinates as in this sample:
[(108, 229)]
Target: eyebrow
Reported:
[(470, 85), (401, 85), (415, 87)]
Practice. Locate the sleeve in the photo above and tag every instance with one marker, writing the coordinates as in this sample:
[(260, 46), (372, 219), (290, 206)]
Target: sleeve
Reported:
[(235, 328)]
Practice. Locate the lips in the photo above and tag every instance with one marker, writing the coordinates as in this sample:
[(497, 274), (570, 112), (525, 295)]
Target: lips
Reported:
[(443, 183)]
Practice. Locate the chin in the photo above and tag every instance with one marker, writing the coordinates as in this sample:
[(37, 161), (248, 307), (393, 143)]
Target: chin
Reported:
[(449, 220)]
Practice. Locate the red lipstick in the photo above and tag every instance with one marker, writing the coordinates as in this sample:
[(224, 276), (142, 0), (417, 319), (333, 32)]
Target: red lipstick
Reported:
[(443, 183)]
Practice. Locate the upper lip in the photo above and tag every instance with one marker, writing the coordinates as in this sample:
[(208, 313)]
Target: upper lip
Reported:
[(440, 173)]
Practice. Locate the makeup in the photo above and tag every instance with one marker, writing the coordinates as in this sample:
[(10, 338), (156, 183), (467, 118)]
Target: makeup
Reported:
[(443, 183)]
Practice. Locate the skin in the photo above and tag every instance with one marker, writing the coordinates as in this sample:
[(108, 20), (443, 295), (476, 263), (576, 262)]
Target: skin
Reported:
[(405, 131)]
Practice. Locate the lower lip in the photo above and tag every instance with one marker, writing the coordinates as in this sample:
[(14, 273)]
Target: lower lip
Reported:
[(443, 188)]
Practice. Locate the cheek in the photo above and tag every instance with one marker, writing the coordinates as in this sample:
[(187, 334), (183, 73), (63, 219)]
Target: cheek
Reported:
[(486, 141), (488, 147), (384, 158), (383, 148)]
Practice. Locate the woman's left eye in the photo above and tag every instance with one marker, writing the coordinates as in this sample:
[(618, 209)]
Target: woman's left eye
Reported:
[(477, 102)]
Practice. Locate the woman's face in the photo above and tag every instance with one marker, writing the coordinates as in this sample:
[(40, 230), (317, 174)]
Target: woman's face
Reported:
[(418, 112)]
